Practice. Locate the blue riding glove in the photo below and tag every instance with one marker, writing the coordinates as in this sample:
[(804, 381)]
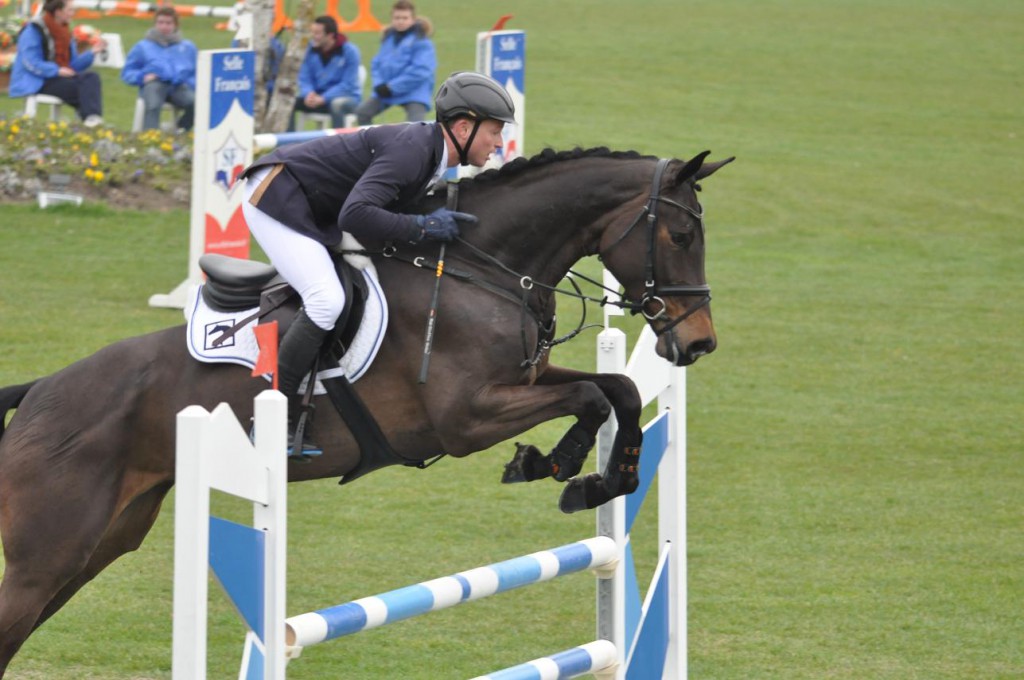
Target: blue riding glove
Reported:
[(441, 225)]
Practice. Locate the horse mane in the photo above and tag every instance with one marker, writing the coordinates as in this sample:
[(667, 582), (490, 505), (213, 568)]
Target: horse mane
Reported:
[(549, 156)]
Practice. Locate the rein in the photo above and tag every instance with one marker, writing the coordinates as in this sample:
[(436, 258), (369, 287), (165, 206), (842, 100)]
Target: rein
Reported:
[(653, 293)]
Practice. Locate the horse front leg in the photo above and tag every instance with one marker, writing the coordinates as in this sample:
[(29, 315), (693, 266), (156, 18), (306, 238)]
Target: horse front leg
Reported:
[(499, 412), (621, 474)]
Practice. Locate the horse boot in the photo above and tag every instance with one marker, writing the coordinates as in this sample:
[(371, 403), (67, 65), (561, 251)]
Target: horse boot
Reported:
[(299, 348)]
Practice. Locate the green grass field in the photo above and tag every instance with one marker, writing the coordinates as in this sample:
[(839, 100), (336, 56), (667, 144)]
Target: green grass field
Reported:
[(856, 467)]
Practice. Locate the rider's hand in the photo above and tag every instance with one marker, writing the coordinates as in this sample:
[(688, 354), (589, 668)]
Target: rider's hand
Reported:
[(441, 225)]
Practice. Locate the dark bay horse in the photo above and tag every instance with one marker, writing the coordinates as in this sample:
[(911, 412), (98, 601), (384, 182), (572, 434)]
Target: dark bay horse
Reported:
[(89, 454)]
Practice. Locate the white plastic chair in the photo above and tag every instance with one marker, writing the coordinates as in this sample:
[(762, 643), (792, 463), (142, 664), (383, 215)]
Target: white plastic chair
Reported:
[(33, 101), (140, 114)]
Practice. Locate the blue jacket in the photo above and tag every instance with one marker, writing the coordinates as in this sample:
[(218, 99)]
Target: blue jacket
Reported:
[(174, 64), (339, 77), (406, 64), (33, 64)]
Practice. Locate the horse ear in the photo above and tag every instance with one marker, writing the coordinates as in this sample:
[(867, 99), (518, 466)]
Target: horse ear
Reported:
[(697, 169)]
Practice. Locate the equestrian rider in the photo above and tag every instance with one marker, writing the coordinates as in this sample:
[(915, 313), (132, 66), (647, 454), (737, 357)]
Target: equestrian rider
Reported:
[(299, 198)]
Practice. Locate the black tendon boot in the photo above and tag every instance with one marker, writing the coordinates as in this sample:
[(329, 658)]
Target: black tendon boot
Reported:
[(299, 348)]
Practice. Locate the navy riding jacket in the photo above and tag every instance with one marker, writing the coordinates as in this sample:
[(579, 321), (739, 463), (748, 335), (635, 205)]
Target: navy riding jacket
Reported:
[(359, 183)]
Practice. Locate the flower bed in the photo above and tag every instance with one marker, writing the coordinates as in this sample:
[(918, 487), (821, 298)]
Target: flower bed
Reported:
[(38, 154)]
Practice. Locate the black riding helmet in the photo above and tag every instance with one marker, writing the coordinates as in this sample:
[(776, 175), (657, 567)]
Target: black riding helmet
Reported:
[(466, 94)]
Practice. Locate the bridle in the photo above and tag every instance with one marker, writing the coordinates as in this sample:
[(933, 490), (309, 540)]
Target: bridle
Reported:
[(655, 294)]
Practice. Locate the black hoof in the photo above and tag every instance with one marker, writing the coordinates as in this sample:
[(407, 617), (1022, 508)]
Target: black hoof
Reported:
[(527, 465), (583, 493)]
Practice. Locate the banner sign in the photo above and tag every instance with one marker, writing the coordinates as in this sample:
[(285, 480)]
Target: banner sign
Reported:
[(502, 56), (222, 149)]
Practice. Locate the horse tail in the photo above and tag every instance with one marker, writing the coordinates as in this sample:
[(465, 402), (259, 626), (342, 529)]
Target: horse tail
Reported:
[(10, 397)]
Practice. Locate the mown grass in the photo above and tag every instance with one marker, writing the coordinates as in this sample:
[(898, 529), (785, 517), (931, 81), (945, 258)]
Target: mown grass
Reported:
[(855, 443)]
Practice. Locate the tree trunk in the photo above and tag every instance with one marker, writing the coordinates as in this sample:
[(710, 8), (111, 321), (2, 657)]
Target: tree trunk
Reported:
[(283, 100), (262, 24)]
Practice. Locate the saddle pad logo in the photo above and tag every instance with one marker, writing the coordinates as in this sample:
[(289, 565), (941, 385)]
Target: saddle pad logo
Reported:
[(217, 330)]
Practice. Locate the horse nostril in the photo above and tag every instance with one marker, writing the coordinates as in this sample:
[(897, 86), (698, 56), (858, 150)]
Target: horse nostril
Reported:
[(700, 347)]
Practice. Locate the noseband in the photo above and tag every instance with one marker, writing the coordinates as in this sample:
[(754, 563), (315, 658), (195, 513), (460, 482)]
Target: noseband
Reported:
[(654, 294)]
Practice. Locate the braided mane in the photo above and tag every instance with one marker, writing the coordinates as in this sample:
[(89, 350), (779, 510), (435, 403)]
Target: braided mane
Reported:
[(548, 156)]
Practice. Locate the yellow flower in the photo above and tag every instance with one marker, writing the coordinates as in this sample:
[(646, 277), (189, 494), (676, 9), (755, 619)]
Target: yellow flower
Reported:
[(94, 159), (167, 146), (15, 129), (98, 176), (89, 173)]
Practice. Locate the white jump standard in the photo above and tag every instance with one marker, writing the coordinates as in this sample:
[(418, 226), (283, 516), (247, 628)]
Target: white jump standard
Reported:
[(637, 641)]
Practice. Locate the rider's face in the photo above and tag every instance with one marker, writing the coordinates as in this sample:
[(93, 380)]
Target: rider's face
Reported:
[(487, 141)]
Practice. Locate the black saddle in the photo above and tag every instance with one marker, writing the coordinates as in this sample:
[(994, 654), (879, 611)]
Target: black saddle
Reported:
[(234, 285)]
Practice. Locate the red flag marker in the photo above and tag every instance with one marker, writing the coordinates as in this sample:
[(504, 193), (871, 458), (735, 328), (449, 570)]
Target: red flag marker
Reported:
[(266, 362)]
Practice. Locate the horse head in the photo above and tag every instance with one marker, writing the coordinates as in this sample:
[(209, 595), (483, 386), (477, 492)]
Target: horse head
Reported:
[(654, 246)]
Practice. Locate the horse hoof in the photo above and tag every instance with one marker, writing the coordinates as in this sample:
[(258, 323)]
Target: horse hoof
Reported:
[(527, 465), (582, 493)]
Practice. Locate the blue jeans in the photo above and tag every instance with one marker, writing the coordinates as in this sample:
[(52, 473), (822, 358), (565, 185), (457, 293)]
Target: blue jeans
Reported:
[(156, 92), (337, 108), (414, 111)]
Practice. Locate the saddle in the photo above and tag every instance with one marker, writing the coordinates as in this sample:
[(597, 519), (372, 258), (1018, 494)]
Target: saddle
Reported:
[(236, 285)]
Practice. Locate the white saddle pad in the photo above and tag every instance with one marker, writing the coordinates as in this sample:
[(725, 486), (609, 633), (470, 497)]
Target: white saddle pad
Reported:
[(205, 325)]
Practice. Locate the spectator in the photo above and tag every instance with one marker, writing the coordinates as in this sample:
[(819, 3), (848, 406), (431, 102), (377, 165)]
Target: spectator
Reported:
[(48, 62), (163, 66), (329, 75), (403, 70)]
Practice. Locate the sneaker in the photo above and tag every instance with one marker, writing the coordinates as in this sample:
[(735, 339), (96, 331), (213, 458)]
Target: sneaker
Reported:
[(92, 121)]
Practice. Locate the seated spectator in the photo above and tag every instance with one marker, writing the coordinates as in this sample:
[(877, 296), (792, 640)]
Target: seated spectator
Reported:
[(163, 66), (403, 69), (329, 75), (48, 62)]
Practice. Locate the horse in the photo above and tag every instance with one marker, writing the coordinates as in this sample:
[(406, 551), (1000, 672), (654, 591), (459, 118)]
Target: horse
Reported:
[(88, 456)]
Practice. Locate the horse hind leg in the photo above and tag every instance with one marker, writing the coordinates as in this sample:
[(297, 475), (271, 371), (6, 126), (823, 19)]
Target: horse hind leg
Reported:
[(41, 579), (124, 536)]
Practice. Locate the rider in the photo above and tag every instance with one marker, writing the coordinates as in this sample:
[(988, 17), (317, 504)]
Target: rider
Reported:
[(299, 198)]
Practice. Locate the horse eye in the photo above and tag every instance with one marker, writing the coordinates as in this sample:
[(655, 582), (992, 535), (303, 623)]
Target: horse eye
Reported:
[(681, 239)]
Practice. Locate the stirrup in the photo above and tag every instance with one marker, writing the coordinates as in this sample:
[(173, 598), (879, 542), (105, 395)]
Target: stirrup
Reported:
[(308, 448)]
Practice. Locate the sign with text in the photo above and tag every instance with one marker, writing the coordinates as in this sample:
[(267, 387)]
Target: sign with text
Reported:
[(223, 148), (502, 56)]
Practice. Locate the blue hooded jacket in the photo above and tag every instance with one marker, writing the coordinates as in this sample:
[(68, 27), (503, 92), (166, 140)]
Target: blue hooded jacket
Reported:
[(174, 63), (406, 63), (339, 77), (33, 65)]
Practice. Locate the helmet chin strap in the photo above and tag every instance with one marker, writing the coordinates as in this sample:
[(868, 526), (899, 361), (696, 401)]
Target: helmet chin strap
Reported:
[(463, 150)]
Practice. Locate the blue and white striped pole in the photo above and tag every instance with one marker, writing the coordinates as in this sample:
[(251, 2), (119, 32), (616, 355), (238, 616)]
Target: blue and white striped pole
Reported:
[(592, 657), (266, 141), (370, 612)]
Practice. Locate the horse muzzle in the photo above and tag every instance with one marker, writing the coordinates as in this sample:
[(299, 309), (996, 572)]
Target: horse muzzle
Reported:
[(686, 336)]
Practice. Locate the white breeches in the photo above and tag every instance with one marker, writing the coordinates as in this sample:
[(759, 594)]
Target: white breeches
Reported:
[(304, 263)]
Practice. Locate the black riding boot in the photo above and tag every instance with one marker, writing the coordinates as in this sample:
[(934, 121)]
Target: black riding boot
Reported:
[(299, 348)]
